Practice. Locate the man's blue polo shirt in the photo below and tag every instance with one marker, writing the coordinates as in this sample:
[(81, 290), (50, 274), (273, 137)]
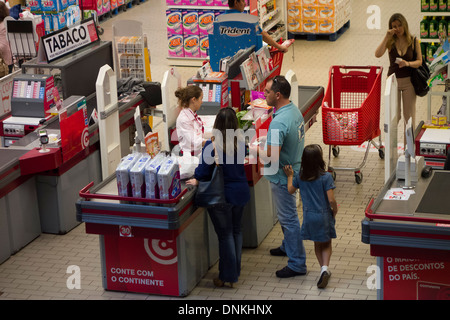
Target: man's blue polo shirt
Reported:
[(287, 130)]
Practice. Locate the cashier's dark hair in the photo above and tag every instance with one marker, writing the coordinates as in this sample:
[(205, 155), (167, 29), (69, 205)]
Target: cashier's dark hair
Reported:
[(313, 165), (281, 85), (185, 95), (4, 11)]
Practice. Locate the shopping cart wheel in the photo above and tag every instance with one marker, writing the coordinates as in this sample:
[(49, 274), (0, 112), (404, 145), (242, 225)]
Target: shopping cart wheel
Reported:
[(381, 153), (336, 151), (358, 177)]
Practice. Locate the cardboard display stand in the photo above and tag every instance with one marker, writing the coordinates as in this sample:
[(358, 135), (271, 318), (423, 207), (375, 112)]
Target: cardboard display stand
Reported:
[(232, 32)]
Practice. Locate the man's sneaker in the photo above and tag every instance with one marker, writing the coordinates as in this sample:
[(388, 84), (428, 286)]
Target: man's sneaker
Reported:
[(286, 272), (277, 252), (323, 280)]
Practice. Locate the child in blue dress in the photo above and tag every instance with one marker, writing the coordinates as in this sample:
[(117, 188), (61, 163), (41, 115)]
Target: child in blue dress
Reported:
[(319, 205)]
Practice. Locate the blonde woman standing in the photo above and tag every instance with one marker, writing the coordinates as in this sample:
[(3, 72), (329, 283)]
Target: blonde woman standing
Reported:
[(401, 46)]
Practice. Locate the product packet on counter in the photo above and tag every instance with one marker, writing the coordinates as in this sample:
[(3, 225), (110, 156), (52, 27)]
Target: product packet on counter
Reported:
[(152, 143), (151, 176), (137, 176), (123, 174), (169, 179)]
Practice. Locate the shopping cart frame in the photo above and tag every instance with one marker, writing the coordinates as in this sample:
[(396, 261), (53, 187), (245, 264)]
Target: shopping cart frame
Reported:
[(352, 97)]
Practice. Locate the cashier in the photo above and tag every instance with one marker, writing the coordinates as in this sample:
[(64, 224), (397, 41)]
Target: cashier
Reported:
[(189, 126), (238, 6)]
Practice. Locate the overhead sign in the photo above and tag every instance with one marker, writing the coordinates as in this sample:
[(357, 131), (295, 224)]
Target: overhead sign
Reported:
[(67, 40)]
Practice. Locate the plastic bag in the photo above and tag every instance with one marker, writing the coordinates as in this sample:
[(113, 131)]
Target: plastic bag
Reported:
[(188, 164)]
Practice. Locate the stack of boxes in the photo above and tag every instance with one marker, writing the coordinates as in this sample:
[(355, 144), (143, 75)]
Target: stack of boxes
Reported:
[(187, 31), (56, 14), (188, 24), (317, 16)]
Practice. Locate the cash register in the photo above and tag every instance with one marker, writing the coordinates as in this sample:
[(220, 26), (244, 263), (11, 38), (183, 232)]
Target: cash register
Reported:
[(32, 98)]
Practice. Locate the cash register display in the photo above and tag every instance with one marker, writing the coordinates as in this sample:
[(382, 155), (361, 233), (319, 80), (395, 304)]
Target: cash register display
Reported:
[(435, 199)]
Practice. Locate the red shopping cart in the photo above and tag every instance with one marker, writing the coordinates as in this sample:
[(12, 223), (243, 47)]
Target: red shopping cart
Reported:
[(351, 112)]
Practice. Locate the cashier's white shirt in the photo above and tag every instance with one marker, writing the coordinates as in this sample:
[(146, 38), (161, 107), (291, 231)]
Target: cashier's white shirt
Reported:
[(190, 131)]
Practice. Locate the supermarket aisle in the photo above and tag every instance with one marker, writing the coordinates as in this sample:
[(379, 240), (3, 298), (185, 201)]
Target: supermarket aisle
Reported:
[(39, 270)]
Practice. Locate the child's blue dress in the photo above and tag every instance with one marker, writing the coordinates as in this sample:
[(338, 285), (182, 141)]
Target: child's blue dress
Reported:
[(318, 222)]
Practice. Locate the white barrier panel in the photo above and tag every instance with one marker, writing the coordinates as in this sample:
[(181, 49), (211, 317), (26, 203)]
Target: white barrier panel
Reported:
[(390, 126)]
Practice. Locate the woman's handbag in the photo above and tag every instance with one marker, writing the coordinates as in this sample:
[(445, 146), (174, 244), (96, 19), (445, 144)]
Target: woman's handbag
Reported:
[(211, 193), (420, 76)]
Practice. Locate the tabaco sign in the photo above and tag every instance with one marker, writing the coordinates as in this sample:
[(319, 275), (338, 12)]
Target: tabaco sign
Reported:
[(67, 40)]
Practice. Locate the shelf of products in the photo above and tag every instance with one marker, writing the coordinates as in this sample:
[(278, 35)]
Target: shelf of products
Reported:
[(435, 21), (317, 16), (188, 24), (56, 14), (272, 17), (131, 51)]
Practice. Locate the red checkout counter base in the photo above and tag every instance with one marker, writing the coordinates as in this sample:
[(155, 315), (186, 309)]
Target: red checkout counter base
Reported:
[(147, 248), (19, 219), (411, 240)]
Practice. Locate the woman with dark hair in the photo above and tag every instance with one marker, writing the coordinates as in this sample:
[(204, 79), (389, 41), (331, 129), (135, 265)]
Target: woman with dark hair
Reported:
[(5, 50), (227, 218), (319, 205), (402, 47)]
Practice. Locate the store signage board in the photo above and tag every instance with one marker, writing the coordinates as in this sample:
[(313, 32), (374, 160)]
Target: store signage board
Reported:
[(135, 264), (67, 40), (415, 279), (232, 32)]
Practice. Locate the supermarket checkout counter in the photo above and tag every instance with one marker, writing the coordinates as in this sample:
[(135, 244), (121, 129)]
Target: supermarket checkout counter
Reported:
[(407, 224), (166, 246), (147, 246), (260, 214), (19, 219), (408, 231), (50, 181)]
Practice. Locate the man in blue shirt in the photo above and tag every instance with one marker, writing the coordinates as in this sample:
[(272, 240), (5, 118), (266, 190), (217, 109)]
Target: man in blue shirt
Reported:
[(285, 142), (238, 6)]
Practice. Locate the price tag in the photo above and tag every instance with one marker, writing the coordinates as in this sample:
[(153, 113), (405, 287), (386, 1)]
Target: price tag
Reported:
[(125, 231)]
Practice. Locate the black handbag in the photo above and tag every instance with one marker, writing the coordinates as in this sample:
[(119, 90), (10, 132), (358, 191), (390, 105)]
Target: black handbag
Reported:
[(420, 76), (212, 192)]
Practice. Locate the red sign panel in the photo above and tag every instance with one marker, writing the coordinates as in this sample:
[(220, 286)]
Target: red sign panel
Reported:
[(141, 265), (415, 279), (74, 132)]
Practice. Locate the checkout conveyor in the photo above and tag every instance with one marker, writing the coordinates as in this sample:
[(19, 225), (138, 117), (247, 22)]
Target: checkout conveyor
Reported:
[(424, 213)]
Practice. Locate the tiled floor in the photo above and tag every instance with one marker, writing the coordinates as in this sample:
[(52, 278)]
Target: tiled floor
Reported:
[(38, 271)]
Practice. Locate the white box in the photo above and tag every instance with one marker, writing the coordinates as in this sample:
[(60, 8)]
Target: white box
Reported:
[(137, 176), (151, 176), (169, 179), (123, 174)]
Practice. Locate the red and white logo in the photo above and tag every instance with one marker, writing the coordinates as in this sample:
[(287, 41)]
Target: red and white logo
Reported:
[(161, 251)]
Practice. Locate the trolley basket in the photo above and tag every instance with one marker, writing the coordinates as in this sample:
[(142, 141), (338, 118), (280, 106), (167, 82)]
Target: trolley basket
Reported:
[(351, 110)]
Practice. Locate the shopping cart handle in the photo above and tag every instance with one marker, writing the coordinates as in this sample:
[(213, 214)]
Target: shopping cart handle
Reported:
[(85, 190)]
